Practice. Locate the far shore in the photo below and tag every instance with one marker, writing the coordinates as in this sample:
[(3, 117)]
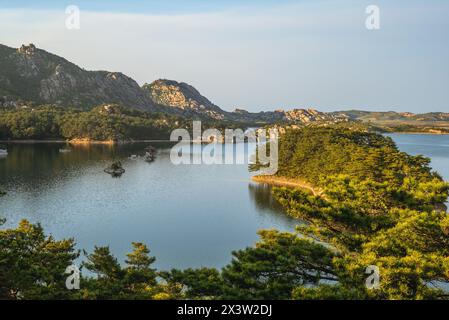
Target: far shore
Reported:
[(112, 142), (79, 142), (428, 133)]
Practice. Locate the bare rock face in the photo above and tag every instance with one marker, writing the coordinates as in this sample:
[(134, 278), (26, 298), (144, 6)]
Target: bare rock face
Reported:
[(170, 95), (185, 98), (53, 87), (27, 49), (308, 115), (189, 102), (32, 74), (295, 116)]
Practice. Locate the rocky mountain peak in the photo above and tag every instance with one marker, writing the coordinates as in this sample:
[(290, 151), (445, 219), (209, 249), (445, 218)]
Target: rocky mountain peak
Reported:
[(27, 49), (182, 96), (242, 111)]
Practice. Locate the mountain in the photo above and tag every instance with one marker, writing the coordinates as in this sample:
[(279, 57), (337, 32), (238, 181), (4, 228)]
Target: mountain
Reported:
[(295, 116), (389, 116), (190, 103), (184, 99), (29, 74), (32, 74), (391, 121)]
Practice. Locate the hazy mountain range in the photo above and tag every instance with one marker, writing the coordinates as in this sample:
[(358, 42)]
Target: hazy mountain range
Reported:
[(32, 75)]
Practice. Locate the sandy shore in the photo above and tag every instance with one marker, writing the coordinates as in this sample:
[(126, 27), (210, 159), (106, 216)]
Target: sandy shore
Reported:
[(286, 182)]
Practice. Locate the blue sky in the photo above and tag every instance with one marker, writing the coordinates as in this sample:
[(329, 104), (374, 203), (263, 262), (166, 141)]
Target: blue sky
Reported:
[(142, 6), (257, 55)]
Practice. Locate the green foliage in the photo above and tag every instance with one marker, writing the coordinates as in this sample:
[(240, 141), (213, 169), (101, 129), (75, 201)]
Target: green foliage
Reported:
[(103, 123), (26, 124), (379, 207), (275, 266), (136, 281), (203, 283), (327, 292), (314, 153), (32, 265)]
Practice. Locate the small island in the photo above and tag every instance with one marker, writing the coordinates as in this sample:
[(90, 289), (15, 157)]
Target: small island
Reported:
[(115, 169)]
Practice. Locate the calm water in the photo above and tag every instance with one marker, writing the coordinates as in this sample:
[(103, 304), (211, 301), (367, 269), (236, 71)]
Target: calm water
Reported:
[(190, 216), (435, 147)]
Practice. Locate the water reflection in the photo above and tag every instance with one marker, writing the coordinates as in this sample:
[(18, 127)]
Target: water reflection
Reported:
[(266, 204), (260, 193), (189, 215)]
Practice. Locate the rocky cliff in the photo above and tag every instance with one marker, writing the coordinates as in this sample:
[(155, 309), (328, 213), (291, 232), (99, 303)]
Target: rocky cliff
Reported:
[(295, 116), (188, 101), (184, 99), (32, 74)]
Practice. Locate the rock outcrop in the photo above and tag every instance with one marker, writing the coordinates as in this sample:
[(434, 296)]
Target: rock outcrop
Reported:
[(295, 116), (32, 74), (186, 100), (183, 98)]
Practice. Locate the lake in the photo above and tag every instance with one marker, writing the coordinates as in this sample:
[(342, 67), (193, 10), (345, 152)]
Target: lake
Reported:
[(189, 215), (435, 147)]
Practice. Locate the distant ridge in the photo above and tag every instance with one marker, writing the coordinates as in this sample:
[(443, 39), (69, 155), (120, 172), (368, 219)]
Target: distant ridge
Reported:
[(392, 115), (32, 75), (188, 100)]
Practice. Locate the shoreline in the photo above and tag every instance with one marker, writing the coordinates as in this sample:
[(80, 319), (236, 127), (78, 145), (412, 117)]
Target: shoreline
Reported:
[(112, 142), (106, 142), (109, 142), (286, 182), (80, 142), (423, 133)]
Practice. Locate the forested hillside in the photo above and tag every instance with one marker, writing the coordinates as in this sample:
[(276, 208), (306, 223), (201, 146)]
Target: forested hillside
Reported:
[(379, 207), (103, 123)]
